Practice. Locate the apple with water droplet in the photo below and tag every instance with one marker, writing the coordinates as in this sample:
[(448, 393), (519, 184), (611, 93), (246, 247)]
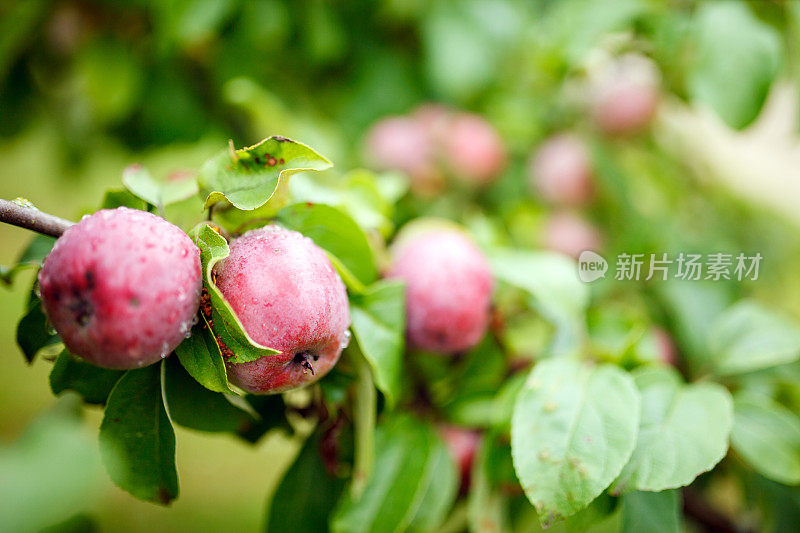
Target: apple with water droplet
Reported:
[(121, 287), (289, 297)]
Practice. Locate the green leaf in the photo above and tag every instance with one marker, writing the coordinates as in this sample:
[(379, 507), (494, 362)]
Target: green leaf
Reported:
[(193, 406), (692, 307), (409, 467), (549, 277), (487, 507), (93, 383), (33, 331), (466, 390), (364, 195), (364, 416), (767, 436), (378, 322), (506, 399), (551, 280), (201, 357), (337, 233), (654, 512), (464, 43), (139, 182), (440, 489), (137, 443), (737, 57), (683, 431), (481, 373), (573, 429), (779, 504), (306, 496), (593, 516), (226, 325), (748, 337), (257, 177), (122, 198), (31, 257), (581, 24)]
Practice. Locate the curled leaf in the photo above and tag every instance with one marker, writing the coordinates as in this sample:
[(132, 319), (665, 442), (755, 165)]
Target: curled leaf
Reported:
[(234, 342), (257, 177)]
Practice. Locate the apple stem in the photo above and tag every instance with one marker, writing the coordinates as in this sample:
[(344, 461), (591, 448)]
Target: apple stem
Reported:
[(23, 214), (364, 415), (302, 359)]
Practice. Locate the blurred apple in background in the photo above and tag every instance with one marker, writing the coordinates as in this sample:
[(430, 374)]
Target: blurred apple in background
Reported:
[(462, 443), (625, 96), (561, 171), (473, 149), (434, 140), (569, 234), (403, 143)]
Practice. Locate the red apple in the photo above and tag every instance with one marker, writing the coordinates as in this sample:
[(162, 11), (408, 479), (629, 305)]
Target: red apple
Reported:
[(121, 287), (626, 99), (448, 286), (561, 171), (473, 149), (289, 297), (569, 234), (462, 444)]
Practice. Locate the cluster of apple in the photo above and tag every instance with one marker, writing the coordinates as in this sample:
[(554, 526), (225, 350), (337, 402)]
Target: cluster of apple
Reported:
[(623, 98), (123, 288), (434, 142)]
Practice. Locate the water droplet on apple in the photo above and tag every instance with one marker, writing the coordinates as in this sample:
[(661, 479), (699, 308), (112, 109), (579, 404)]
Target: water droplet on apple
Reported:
[(345, 340)]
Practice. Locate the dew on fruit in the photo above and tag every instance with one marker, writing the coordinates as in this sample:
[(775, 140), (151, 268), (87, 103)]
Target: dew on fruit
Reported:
[(345, 340)]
